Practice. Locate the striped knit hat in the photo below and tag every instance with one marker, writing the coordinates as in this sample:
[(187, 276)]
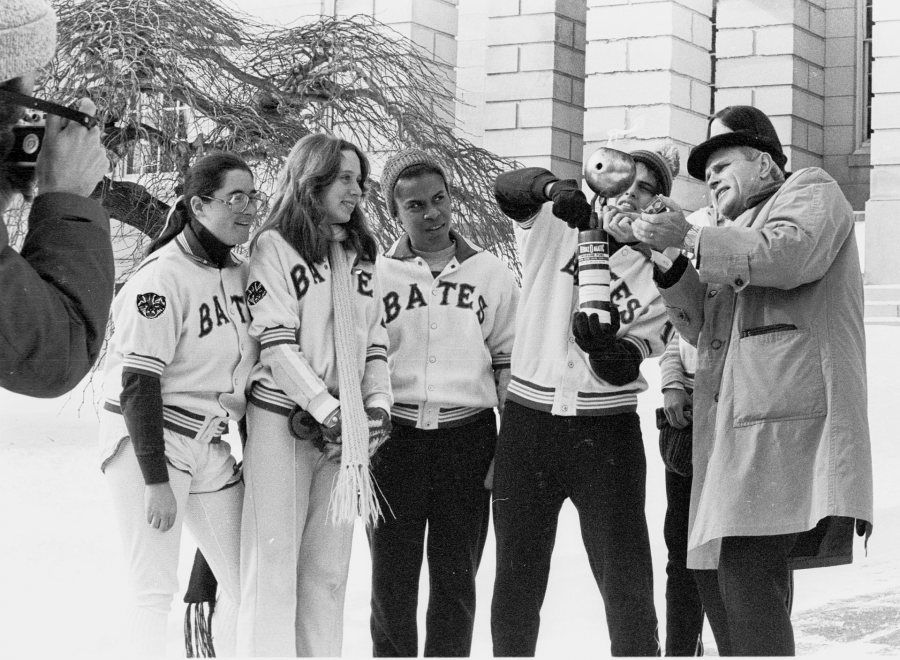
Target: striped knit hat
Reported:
[(397, 164), (27, 36), (664, 163)]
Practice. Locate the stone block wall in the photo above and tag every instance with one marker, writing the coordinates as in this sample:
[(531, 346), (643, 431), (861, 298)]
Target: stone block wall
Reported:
[(846, 155), (883, 207), (648, 74), (771, 54), (534, 85)]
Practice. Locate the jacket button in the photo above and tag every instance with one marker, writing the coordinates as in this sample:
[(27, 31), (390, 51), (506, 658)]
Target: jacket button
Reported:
[(716, 344), (738, 282), (712, 294), (432, 359)]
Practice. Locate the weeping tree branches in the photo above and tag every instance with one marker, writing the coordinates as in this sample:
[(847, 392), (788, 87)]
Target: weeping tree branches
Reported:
[(174, 79)]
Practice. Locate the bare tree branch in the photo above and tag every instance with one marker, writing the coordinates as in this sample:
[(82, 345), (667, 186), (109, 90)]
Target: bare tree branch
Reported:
[(256, 89)]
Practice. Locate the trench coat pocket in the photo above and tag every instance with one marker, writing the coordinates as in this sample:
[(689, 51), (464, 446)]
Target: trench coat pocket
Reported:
[(778, 376)]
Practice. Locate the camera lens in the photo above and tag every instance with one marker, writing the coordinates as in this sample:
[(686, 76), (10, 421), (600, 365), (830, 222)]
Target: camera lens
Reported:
[(31, 143)]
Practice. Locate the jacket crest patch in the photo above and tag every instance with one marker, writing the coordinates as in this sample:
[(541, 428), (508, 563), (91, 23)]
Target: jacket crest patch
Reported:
[(151, 305), (255, 292)]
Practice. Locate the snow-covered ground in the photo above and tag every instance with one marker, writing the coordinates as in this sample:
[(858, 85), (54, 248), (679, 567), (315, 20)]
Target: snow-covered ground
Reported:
[(62, 584)]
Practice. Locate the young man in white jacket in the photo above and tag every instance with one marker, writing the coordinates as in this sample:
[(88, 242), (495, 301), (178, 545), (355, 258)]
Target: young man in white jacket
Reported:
[(449, 309), (570, 428)]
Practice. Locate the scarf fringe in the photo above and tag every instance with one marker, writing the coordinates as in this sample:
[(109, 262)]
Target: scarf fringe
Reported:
[(354, 494), (198, 641)]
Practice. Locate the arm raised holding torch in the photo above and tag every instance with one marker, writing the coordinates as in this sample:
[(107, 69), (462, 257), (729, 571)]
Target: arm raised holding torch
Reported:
[(572, 379)]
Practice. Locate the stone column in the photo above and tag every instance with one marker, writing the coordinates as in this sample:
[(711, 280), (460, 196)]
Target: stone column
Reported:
[(771, 54), (431, 25), (846, 155), (883, 207), (534, 92), (648, 79), (471, 73)]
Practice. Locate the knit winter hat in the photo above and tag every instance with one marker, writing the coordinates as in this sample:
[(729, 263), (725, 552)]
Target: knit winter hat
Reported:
[(397, 164), (27, 36), (664, 163)]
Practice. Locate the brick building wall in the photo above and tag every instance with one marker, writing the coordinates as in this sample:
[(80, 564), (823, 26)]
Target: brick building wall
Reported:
[(534, 87), (547, 81), (883, 206)]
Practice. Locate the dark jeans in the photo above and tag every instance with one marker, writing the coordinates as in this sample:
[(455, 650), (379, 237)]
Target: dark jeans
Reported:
[(599, 463), (752, 590), (435, 479), (684, 611)]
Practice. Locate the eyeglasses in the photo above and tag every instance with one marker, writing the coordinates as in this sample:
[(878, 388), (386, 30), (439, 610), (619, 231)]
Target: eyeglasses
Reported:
[(238, 202)]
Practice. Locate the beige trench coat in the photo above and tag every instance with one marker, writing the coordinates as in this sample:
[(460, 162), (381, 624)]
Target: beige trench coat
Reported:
[(781, 438)]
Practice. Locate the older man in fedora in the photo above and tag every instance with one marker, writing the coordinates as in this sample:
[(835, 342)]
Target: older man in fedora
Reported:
[(781, 456)]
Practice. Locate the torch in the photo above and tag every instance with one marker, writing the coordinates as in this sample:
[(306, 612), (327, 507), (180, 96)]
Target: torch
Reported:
[(608, 173)]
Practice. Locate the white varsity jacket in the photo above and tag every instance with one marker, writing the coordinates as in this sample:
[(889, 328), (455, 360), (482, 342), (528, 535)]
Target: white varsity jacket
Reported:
[(549, 371), (293, 318), (183, 320), (447, 333)]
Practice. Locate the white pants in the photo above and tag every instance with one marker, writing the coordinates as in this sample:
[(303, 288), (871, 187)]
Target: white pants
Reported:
[(294, 560), (214, 520)]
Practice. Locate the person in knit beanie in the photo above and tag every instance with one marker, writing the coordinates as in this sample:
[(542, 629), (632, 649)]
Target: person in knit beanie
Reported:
[(27, 42), (449, 310), (570, 429), (59, 289), (408, 163)]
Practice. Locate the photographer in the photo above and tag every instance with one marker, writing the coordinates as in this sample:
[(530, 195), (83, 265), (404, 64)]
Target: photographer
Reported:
[(59, 288)]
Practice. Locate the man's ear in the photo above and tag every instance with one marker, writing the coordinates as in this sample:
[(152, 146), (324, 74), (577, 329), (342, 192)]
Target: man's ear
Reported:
[(766, 165)]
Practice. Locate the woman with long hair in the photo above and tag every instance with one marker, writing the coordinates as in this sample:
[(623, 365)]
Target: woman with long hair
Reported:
[(318, 405), (176, 371)]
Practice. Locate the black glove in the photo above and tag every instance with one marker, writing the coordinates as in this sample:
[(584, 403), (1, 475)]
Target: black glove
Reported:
[(520, 193), (304, 426), (593, 336), (570, 205), (616, 361)]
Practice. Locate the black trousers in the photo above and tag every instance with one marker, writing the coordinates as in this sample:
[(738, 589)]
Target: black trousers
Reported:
[(684, 610), (751, 593), (599, 463), (432, 479)]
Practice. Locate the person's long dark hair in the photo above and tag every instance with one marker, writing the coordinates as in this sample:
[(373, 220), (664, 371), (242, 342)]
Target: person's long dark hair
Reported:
[(297, 205), (202, 179)]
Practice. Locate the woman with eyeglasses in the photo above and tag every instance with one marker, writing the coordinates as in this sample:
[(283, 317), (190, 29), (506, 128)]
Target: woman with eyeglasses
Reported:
[(176, 370), (323, 366)]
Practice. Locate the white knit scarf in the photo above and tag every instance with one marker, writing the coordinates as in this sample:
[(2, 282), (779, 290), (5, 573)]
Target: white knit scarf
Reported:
[(354, 490)]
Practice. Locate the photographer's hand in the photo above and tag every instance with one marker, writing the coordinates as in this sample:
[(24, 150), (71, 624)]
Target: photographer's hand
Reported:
[(72, 158)]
